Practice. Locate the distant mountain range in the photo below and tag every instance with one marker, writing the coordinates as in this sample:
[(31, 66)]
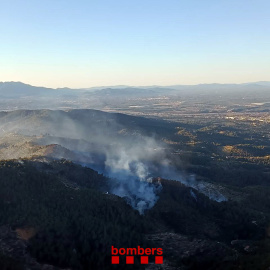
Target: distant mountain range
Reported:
[(19, 89)]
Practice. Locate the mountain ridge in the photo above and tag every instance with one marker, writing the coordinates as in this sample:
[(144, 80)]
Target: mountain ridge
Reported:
[(22, 84)]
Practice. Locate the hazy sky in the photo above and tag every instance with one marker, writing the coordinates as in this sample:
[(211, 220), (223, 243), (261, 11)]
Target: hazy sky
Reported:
[(85, 43)]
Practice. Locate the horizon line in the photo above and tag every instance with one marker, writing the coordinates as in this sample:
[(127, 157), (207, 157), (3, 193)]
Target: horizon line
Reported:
[(134, 86)]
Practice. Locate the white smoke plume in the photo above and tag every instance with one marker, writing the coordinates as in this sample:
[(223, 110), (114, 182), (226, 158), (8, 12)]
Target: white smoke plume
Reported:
[(100, 141), (128, 163)]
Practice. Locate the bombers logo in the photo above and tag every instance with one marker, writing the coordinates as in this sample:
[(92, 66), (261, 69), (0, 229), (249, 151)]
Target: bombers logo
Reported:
[(144, 254)]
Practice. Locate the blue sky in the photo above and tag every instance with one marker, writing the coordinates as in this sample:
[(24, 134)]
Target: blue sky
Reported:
[(144, 42)]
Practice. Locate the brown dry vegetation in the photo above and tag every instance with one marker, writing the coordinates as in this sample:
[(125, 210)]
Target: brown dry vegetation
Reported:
[(26, 233)]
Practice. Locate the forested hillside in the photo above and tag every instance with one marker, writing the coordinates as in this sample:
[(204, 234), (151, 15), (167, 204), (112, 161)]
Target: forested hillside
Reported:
[(73, 222)]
